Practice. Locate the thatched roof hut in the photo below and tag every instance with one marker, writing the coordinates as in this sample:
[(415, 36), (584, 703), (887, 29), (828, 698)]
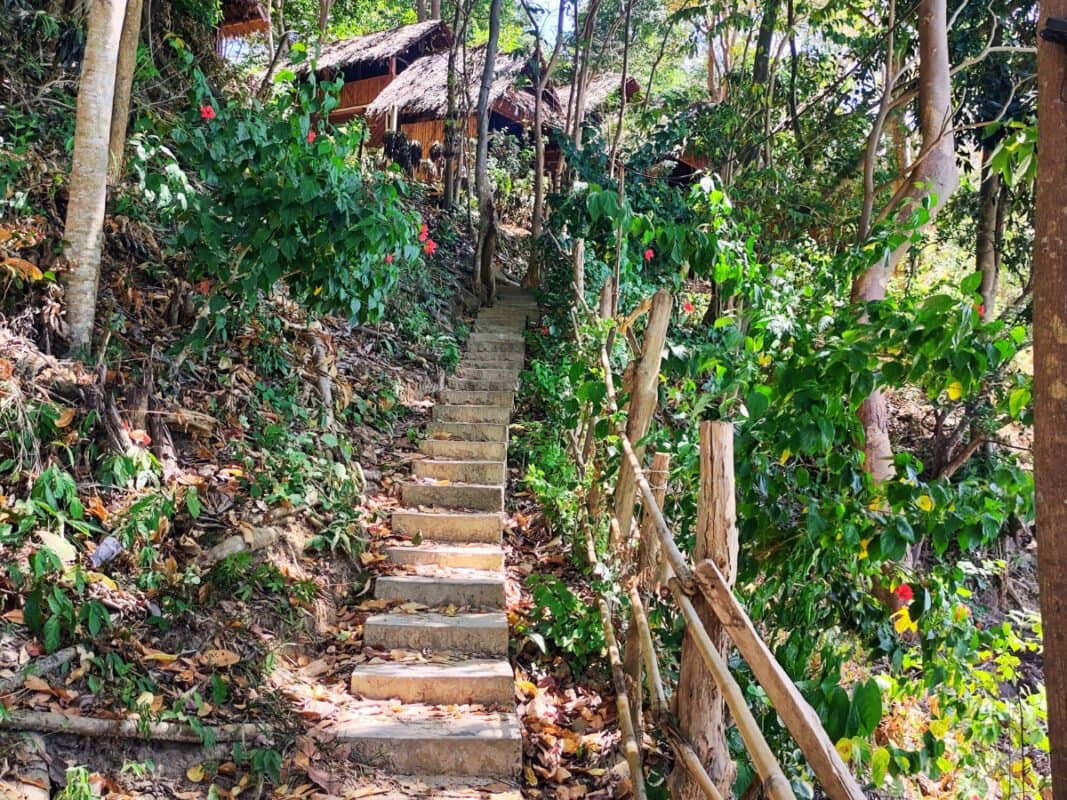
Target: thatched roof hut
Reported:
[(421, 92), (381, 53), (240, 19), (599, 90)]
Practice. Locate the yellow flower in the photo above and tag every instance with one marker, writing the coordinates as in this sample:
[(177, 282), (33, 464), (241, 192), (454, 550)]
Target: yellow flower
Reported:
[(844, 749), (925, 502), (903, 622), (955, 390), (786, 454), (764, 360), (863, 548)]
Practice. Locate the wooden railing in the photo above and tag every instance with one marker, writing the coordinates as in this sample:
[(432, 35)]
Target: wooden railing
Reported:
[(703, 593)]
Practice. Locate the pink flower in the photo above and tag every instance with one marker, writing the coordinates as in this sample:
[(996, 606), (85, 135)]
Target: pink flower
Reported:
[(311, 137), (424, 233), (430, 247), (649, 255), (687, 307), (207, 112), (389, 258), (904, 593)]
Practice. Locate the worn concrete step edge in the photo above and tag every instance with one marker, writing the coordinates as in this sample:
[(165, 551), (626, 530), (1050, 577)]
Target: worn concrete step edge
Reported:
[(484, 681), (480, 528), (466, 556), (468, 431), (498, 414), (475, 496), (466, 632), (462, 470), (459, 397), (477, 589), (480, 744), (458, 449)]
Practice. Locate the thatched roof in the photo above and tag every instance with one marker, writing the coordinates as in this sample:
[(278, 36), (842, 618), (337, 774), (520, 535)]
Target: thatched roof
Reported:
[(422, 89), (407, 42), (599, 90)]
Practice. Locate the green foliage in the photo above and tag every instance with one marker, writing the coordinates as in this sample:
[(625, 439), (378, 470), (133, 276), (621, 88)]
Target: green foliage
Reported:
[(281, 198), (78, 785), (564, 621)]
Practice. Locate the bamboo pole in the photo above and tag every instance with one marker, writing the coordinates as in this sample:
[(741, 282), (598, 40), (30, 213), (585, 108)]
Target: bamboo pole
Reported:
[(799, 717), (775, 784)]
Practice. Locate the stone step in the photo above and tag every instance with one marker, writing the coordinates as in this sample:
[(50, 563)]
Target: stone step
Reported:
[(471, 632), (463, 471), (433, 787), (449, 587), (502, 374), (464, 556), (485, 681), (449, 527), (454, 449), (480, 385), (477, 496), (482, 744), (505, 337), (508, 346), (471, 413), (468, 431), (456, 397), (493, 359)]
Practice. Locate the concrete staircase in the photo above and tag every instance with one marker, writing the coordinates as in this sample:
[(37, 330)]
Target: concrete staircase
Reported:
[(454, 713)]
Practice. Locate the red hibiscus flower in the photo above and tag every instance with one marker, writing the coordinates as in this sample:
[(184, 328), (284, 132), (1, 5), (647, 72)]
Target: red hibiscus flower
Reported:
[(424, 233), (649, 254), (687, 307), (904, 593), (980, 309), (389, 258), (311, 137), (207, 112), (430, 247)]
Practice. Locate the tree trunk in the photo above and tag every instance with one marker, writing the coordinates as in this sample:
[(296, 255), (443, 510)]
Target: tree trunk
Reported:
[(935, 173), (120, 107), (761, 70), (1050, 380), (641, 408), (699, 703), (420, 10), (435, 9), (452, 133), (987, 260), (483, 278), (84, 228)]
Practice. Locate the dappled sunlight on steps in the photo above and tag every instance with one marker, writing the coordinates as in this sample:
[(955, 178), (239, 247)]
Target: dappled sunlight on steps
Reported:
[(453, 713)]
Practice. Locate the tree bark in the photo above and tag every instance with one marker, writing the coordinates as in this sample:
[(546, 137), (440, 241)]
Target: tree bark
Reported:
[(761, 69), (987, 260), (120, 107), (483, 278), (641, 408), (84, 228), (934, 173), (1050, 380), (420, 10), (435, 9), (699, 702), (452, 133)]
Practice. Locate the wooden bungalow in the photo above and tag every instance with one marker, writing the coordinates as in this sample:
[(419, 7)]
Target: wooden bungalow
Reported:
[(416, 103), (240, 19), (372, 62), (599, 90)]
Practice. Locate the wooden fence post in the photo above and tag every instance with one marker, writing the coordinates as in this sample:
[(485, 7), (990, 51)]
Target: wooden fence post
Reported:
[(641, 407), (647, 552), (699, 702)]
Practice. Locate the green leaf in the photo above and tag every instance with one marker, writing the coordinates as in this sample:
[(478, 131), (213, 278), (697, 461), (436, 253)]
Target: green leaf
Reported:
[(51, 634), (971, 283), (757, 402), (192, 502), (879, 765), (867, 703), (1017, 401)]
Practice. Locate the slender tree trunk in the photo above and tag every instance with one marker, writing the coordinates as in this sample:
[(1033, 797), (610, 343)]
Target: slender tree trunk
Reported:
[(935, 173), (270, 30), (1050, 381), (699, 703), (435, 9), (761, 70), (120, 109), (452, 124), (986, 243), (483, 277), (84, 228), (420, 10)]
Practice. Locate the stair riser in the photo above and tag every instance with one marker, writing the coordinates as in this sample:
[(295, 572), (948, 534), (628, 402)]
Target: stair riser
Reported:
[(493, 361), (457, 398), (478, 498), (513, 347), (442, 593), (479, 385), (454, 449), (452, 755), (486, 633), (462, 471), (460, 558), (508, 338), (464, 528), (469, 431), (489, 690), (499, 415), (502, 375)]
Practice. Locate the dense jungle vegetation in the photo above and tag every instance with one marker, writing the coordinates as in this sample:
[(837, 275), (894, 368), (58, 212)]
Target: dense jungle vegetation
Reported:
[(840, 201)]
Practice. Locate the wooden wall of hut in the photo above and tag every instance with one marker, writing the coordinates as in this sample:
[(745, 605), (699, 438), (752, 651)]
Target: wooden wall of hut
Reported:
[(356, 94), (428, 131)]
